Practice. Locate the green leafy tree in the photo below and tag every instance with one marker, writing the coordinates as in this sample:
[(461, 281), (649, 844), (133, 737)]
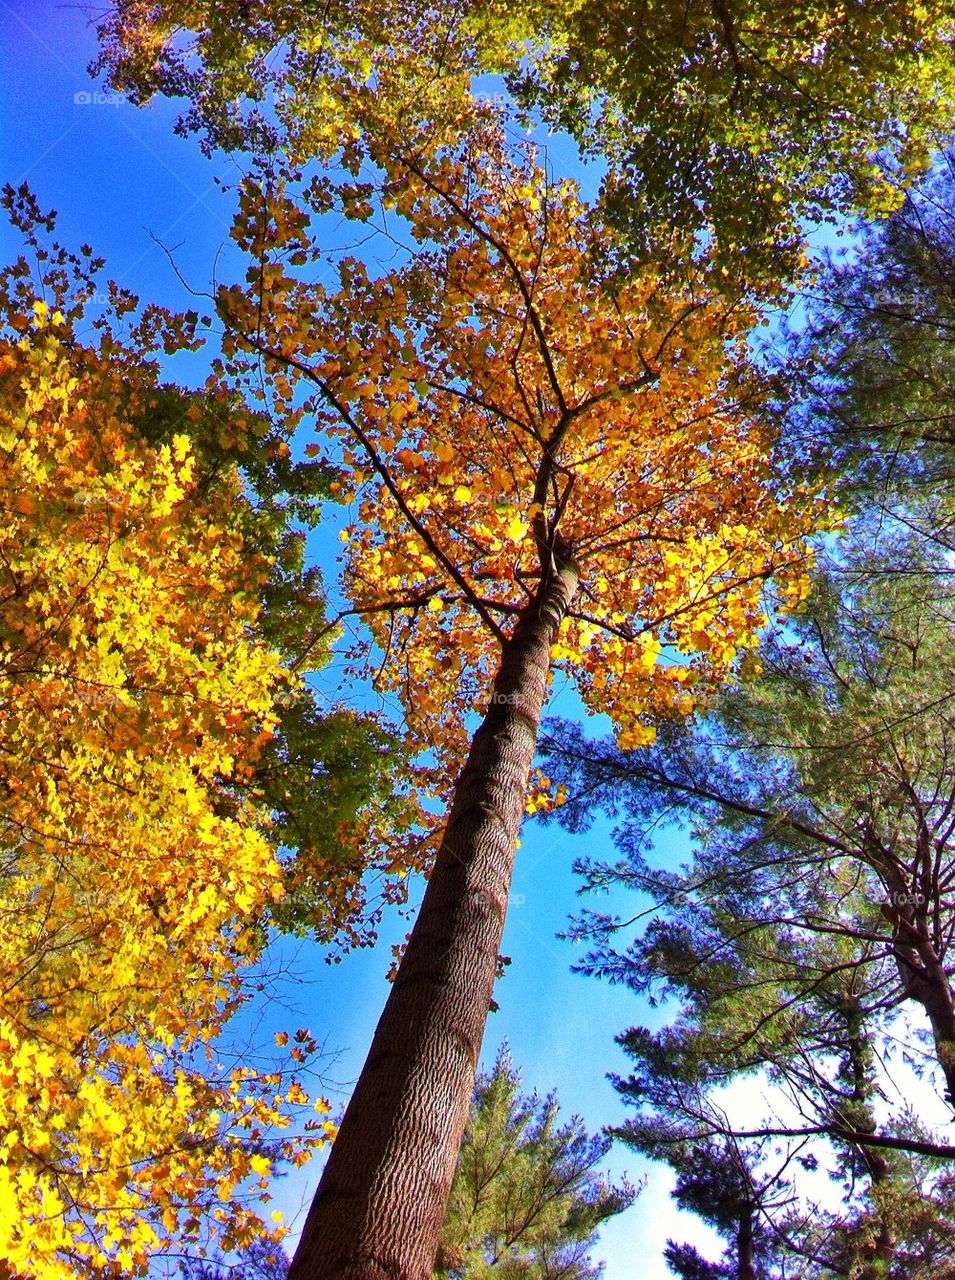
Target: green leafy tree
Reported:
[(526, 1201), (788, 957), (735, 120), (800, 1022)]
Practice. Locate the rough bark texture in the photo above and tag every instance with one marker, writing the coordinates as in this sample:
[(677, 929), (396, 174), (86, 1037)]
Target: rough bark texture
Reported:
[(918, 944), (381, 1201), (925, 980), (919, 959)]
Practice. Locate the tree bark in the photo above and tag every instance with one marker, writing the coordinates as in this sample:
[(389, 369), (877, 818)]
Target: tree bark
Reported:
[(745, 1251), (382, 1198), (881, 1253), (921, 967), (917, 948)]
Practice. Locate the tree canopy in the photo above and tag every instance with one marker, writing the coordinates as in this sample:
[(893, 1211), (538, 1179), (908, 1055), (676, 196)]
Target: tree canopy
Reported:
[(154, 605), (535, 442), (134, 693), (743, 122), (489, 392), (718, 121)]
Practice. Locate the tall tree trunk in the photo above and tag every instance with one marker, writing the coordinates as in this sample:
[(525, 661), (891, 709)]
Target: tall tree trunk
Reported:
[(924, 977), (382, 1198), (918, 950), (745, 1245), (861, 1115)]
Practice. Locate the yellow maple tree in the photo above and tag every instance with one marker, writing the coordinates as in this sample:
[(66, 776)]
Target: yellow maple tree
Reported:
[(135, 695)]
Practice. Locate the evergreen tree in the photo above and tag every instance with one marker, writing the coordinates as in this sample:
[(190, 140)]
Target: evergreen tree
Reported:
[(812, 928), (258, 1261), (526, 1201), (872, 369), (715, 1181)]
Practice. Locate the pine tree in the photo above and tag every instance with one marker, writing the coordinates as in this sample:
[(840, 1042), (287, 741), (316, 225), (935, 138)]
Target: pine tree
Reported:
[(818, 791), (526, 1201)]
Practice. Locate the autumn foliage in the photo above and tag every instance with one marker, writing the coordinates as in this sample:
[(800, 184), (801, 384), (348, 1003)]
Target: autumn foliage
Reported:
[(495, 388), (135, 698), (550, 472), (716, 122)]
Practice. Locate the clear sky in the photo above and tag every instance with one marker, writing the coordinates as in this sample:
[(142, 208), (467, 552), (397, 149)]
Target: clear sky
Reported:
[(122, 181)]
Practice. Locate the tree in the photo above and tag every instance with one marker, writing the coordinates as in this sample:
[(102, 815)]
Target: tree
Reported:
[(840, 748), (321, 778), (788, 955), (873, 368), (149, 596), (809, 1025), (819, 793), (304, 80), (718, 120), (131, 683), (525, 1202), (737, 121), (716, 1182), (510, 425), (836, 758)]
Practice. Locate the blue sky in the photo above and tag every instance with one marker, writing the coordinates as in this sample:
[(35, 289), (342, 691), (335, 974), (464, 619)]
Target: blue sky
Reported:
[(121, 180)]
